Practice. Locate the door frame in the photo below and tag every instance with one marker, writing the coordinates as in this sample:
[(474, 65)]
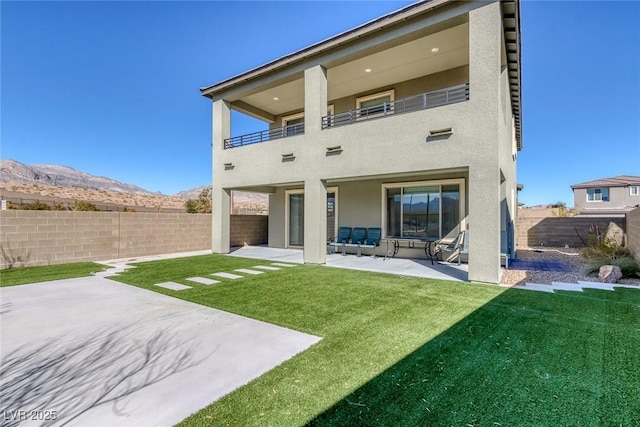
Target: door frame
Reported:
[(287, 193)]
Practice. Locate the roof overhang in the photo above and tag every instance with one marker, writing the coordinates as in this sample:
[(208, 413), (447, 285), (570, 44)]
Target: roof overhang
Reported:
[(511, 28)]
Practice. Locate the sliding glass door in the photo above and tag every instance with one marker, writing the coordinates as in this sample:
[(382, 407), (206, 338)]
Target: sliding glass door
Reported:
[(419, 210)]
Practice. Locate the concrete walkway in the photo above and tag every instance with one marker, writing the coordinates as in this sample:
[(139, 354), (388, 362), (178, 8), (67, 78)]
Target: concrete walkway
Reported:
[(102, 353)]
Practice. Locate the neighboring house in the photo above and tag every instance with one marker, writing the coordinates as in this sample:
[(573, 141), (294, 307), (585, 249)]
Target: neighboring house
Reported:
[(410, 122), (607, 196)]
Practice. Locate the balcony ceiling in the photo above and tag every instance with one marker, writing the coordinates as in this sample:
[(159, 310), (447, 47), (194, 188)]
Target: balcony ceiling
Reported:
[(404, 62)]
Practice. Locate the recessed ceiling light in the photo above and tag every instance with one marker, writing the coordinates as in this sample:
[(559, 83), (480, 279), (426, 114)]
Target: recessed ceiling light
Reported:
[(275, 98), (435, 49), (367, 70)]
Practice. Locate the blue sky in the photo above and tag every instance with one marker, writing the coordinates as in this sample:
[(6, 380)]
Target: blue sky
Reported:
[(112, 88)]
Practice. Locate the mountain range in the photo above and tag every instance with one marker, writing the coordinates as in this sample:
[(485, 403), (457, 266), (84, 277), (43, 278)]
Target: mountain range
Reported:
[(54, 182), (15, 172)]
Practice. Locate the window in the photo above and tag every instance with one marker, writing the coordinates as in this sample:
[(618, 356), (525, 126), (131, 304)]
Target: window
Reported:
[(293, 124), (634, 190), (376, 104), (423, 209), (597, 194)]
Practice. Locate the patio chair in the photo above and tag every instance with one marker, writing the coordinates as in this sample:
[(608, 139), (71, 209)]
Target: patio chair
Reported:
[(373, 238), (453, 248), (343, 237)]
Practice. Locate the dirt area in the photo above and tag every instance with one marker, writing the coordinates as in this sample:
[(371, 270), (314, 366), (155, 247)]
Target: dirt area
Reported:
[(570, 257)]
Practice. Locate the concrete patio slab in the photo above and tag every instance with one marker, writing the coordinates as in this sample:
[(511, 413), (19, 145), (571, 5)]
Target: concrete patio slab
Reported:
[(248, 271), (173, 286), (403, 266), (102, 353), (203, 280), (228, 275)]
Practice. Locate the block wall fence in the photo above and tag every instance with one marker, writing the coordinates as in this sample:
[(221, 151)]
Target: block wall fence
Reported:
[(556, 231), (30, 238), (633, 232)]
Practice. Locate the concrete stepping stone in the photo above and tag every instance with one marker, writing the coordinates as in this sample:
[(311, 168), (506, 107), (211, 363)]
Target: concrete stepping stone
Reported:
[(281, 264), (203, 280), (266, 267), (248, 271), (534, 287), (173, 286), (562, 286), (228, 275)]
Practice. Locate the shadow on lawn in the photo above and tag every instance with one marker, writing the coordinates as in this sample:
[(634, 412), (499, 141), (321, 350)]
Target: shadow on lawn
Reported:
[(71, 376), (524, 358)]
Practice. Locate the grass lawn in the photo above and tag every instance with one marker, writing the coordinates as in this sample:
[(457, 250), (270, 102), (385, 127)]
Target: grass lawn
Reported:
[(407, 351), (21, 276)]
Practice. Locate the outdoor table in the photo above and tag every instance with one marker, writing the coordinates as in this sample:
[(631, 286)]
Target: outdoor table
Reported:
[(411, 242)]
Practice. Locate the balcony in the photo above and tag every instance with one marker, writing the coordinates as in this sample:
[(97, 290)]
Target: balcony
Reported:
[(264, 136), (410, 104)]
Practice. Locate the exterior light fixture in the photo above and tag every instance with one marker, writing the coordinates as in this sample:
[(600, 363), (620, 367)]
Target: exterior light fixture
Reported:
[(435, 49), (275, 98), (367, 70)]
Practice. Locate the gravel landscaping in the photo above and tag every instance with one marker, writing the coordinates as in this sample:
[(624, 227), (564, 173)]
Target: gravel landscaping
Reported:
[(568, 256)]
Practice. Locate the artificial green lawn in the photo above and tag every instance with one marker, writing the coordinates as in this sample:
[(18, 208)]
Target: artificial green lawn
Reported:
[(410, 351), (21, 276)]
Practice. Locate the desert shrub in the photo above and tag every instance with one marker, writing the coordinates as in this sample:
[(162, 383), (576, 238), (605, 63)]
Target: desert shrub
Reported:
[(57, 206), (81, 205), (200, 205), (604, 249), (36, 206)]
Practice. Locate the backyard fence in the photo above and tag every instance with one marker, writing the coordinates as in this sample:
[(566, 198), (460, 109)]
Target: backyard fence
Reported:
[(30, 238), (553, 231)]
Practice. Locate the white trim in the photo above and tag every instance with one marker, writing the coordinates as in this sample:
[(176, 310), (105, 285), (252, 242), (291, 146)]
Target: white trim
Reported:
[(637, 192), (390, 93), (459, 181)]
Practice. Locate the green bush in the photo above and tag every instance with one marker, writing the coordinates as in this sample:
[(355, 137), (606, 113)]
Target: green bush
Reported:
[(605, 250), (84, 206), (200, 205), (36, 206)]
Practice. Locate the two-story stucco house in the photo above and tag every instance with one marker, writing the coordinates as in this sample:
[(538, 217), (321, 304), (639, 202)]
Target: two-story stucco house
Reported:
[(607, 196), (410, 122)]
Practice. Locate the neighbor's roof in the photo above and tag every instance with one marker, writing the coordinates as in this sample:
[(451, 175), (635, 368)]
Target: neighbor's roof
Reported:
[(511, 27), (616, 181)]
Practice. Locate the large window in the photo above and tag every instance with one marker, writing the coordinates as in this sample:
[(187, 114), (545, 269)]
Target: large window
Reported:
[(597, 194), (429, 209)]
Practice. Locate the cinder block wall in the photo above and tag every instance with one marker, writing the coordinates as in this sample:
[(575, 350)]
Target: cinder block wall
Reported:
[(560, 231), (633, 232), (249, 230), (29, 238)]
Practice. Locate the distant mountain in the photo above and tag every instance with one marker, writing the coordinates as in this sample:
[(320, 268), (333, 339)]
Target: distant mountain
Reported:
[(62, 176), (191, 194)]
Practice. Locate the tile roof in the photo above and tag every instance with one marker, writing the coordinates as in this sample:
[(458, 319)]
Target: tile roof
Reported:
[(616, 181)]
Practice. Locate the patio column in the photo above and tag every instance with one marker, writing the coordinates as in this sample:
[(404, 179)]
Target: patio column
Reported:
[(485, 40), (315, 221), (221, 197), (315, 98)]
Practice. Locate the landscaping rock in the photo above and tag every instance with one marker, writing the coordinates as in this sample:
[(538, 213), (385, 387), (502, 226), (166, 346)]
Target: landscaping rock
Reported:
[(609, 274)]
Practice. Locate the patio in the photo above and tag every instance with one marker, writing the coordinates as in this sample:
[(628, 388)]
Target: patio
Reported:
[(401, 266)]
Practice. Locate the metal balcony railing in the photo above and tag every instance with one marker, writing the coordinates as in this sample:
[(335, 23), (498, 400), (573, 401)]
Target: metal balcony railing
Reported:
[(419, 102), (264, 136), (423, 101)]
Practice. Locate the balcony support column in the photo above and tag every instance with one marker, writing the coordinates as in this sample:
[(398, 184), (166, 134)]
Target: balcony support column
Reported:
[(315, 221), (221, 197), (485, 32), (315, 98)]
